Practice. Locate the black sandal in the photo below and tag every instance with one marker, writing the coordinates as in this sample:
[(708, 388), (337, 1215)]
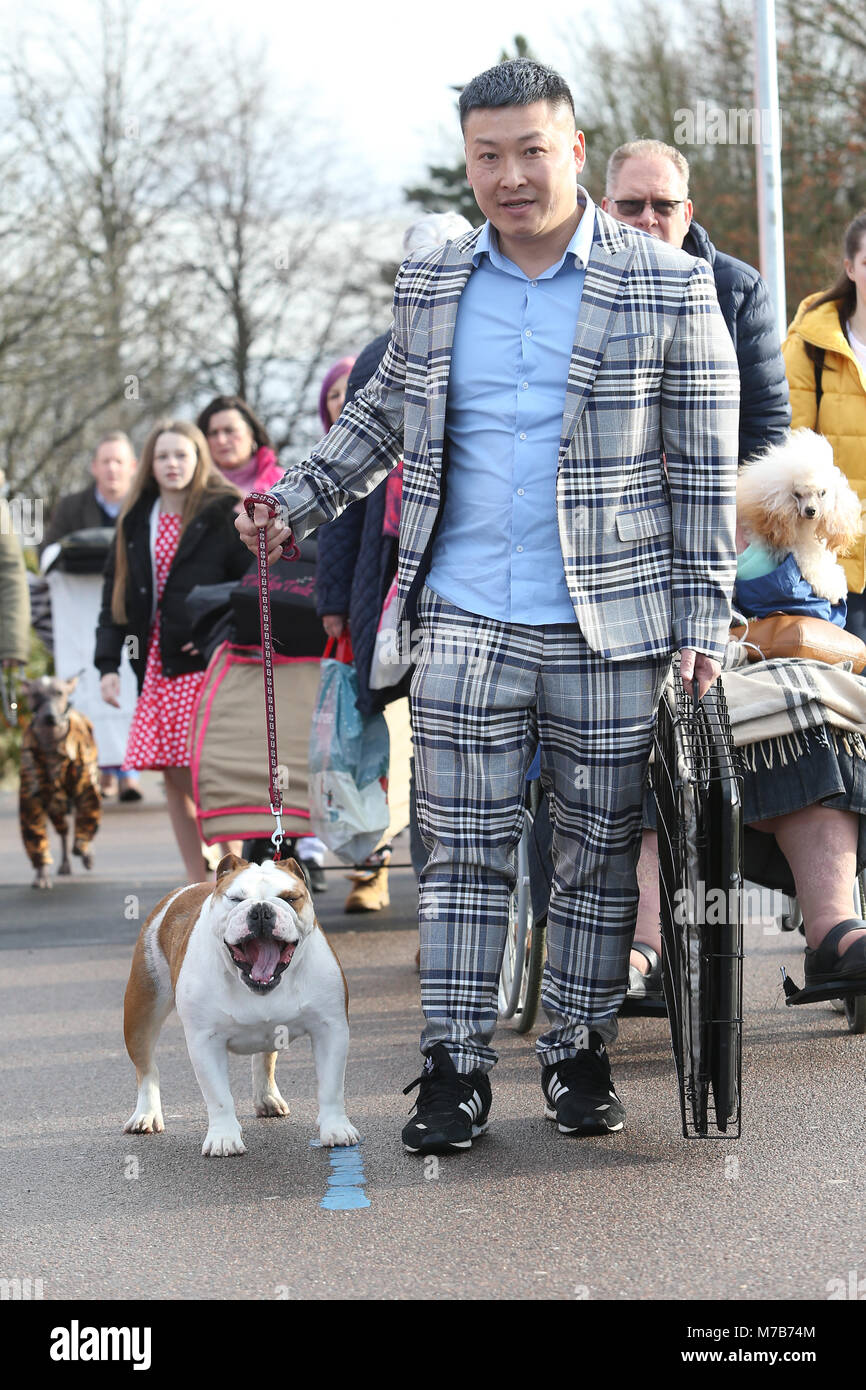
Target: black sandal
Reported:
[(829, 975), (825, 964)]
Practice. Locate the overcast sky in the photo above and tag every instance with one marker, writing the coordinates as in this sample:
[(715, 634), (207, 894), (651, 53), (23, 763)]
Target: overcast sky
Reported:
[(377, 75), (381, 71)]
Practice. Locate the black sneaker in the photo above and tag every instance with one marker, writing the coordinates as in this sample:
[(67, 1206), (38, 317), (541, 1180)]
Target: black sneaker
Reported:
[(451, 1109), (579, 1092)]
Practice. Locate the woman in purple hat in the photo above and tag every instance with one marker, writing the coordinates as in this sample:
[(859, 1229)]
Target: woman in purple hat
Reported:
[(333, 392)]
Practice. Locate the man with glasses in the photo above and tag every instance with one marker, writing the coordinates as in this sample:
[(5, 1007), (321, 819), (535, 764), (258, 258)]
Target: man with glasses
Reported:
[(648, 187)]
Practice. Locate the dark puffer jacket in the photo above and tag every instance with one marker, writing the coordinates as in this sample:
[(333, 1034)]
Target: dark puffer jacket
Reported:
[(356, 563), (765, 410), (209, 552)]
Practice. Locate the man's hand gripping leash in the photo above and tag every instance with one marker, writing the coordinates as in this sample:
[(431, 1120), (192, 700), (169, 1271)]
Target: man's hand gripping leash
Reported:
[(261, 513)]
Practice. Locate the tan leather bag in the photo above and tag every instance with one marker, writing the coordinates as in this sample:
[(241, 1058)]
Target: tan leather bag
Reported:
[(786, 635)]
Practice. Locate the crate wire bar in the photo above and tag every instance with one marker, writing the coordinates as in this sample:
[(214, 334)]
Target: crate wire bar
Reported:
[(699, 796)]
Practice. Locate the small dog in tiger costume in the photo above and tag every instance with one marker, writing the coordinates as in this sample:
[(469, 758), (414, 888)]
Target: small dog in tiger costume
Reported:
[(59, 772)]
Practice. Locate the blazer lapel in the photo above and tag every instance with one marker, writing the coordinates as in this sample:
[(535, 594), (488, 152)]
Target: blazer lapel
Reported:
[(453, 272), (609, 259)]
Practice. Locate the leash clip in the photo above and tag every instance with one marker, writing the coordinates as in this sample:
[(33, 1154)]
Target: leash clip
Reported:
[(278, 834)]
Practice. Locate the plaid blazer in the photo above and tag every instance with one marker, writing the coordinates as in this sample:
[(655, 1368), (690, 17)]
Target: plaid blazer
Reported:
[(648, 549)]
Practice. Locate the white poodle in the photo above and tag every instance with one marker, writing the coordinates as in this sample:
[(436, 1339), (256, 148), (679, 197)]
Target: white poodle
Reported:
[(796, 501)]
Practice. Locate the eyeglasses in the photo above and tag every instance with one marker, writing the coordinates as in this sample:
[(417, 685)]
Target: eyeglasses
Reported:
[(662, 207)]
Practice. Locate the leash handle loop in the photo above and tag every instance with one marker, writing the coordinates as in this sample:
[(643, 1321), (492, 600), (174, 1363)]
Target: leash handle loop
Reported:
[(291, 549)]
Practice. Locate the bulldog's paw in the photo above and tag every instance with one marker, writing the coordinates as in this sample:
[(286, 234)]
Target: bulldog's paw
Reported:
[(65, 868), (84, 854), (338, 1133), (270, 1103), (145, 1122), (43, 878), (221, 1141)]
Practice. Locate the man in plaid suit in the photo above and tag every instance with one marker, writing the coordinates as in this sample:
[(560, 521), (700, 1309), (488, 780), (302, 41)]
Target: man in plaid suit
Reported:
[(564, 394)]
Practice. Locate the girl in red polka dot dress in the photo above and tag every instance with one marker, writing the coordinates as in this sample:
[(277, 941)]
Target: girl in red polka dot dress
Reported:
[(175, 531)]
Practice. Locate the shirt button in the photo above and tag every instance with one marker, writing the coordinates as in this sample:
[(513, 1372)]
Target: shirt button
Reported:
[(524, 385), (519, 549), (529, 332), (522, 436), (534, 282), (519, 494)]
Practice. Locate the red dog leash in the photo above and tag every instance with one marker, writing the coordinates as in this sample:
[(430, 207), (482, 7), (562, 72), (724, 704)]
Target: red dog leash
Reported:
[(291, 551)]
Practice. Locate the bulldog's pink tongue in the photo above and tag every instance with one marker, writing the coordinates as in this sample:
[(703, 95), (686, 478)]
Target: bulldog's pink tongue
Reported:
[(264, 956)]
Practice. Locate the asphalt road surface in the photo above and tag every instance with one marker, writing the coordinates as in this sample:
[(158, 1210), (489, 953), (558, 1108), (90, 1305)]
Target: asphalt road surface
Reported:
[(527, 1214)]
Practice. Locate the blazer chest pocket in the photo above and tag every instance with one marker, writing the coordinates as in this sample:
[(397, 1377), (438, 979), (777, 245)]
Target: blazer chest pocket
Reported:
[(637, 348), (643, 522)]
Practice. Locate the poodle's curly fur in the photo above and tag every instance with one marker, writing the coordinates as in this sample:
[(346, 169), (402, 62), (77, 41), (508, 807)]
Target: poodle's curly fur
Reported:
[(794, 499)]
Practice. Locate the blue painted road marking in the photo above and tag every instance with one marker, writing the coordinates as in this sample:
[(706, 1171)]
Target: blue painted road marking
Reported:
[(346, 1181)]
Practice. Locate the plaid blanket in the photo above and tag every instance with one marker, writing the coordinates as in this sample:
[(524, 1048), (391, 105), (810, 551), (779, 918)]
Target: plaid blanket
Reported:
[(772, 703)]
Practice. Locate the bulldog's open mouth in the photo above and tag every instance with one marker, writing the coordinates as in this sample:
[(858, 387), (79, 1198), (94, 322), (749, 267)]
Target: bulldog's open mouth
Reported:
[(261, 960)]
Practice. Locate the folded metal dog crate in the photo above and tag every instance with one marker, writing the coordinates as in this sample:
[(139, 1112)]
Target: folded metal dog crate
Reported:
[(698, 790)]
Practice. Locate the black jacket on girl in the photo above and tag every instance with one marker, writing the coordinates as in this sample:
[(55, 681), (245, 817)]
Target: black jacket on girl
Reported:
[(210, 552)]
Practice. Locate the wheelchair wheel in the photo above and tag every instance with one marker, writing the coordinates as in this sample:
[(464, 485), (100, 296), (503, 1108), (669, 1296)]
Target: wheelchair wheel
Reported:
[(536, 954), (523, 960)]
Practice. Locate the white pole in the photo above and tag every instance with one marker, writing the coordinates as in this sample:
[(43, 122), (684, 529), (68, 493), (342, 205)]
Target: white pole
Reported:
[(769, 159)]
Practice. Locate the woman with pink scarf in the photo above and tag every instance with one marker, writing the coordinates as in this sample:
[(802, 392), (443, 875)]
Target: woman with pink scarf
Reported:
[(239, 445)]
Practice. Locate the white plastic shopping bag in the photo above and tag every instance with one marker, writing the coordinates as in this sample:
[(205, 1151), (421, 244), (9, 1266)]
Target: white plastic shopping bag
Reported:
[(389, 664)]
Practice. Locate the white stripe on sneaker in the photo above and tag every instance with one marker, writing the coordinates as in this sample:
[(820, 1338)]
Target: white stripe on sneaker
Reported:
[(472, 1106)]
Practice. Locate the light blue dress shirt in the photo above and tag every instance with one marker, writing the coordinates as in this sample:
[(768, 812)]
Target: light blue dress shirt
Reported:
[(497, 550), (113, 508)]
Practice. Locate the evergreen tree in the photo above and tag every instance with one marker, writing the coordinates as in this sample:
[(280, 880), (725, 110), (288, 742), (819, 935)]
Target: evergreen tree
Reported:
[(447, 189)]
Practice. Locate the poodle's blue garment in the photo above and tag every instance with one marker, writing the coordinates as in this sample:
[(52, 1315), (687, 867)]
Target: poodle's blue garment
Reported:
[(784, 590)]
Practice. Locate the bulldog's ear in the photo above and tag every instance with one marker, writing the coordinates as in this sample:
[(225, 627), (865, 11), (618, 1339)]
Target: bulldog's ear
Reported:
[(228, 865), (293, 866)]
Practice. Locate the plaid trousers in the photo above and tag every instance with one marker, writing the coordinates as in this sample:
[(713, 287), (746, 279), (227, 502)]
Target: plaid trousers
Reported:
[(484, 694)]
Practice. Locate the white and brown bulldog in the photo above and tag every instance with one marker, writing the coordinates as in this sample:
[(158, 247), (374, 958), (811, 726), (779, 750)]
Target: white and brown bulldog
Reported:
[(249, 969)]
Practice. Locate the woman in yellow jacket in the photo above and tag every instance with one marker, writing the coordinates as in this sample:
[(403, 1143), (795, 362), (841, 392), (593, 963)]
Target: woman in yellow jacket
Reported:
[(825, 358)]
